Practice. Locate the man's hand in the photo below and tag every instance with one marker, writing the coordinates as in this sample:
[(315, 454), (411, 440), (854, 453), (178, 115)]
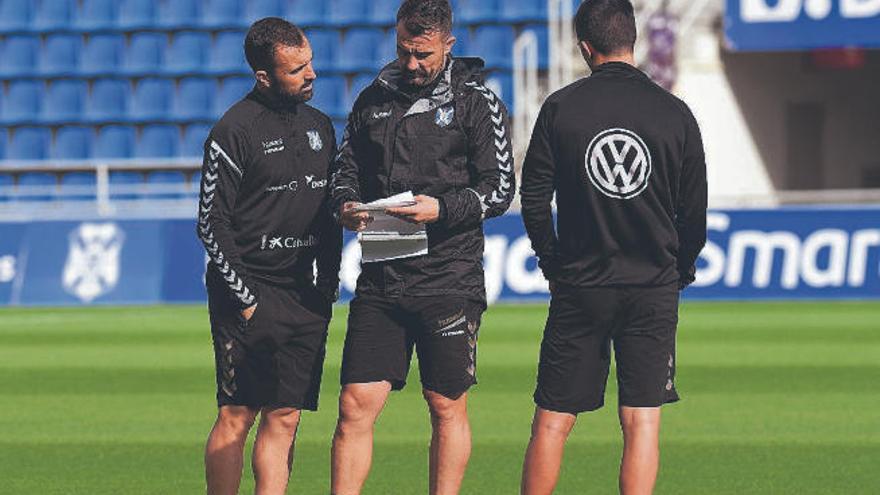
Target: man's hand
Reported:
[(353, 220), (248, 313), (426, 210)]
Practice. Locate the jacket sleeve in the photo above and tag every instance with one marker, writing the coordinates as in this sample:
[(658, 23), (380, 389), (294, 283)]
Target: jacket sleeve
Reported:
[(222, 174), (538, 185), (344, 181), (329, 256), (491, 159), (690, 217)]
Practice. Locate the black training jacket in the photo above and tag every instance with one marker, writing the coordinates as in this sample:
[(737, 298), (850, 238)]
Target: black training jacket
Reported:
[(263, 211), (626, 162), (451, 141)]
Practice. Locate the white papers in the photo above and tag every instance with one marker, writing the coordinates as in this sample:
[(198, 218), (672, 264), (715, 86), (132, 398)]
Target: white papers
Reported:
[(387, 237)]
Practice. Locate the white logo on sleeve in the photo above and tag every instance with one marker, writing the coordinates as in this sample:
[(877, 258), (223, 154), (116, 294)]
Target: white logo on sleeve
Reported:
[(618, 163), (315, 140), (92, 267)]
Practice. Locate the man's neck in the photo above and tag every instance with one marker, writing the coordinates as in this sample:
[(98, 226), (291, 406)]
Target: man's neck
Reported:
[(626, 58)]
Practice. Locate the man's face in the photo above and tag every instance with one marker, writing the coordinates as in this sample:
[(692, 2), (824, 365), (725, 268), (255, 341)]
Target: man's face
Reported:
[(421, 58), (292, 77)]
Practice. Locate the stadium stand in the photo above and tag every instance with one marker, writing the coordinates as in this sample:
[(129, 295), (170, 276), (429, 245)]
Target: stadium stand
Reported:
[(72, 143), (29, 143), (137, 14), (54, 14), (102, 54)]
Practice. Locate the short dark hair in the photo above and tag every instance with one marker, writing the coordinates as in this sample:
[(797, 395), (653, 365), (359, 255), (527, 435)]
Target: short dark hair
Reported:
[(426, 16), (608, 25), (264, 37)]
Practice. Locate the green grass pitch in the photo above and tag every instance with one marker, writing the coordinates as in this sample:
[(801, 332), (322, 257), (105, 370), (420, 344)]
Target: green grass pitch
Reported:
[(779, 398)]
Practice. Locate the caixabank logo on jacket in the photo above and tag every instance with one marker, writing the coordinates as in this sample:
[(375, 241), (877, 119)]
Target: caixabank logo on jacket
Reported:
[(92, 266)]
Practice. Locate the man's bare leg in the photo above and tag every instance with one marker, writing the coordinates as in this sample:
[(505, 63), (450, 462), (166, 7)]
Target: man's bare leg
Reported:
[(641, 449), (273, 450), (352, 454), (546, 447), (225, 449), (450, 442)]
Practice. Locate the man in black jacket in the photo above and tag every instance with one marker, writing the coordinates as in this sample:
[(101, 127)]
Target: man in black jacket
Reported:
[(625, 160), (427, 124), (264, 221)]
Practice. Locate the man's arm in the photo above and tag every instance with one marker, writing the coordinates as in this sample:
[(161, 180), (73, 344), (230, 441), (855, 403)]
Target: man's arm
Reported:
[(222, 174), (538, 185), (345, 191), (690, 217), (329, 255)]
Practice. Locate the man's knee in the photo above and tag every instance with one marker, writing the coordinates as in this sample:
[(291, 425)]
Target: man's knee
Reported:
[(552, 424), (444, 409), (286, 419), (635, 419), (360, 404), (235, 420)]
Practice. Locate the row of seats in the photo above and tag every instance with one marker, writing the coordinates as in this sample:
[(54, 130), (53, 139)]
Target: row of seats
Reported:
[(193, 52), (90, 15), (82, 186)]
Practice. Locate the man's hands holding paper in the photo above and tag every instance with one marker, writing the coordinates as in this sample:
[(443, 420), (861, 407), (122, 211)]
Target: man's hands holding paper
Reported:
[(426, 210), (354, 219)]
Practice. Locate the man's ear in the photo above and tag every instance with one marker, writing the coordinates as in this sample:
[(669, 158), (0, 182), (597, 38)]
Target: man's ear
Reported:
[(263, 79), (450, 42), (586, 50)]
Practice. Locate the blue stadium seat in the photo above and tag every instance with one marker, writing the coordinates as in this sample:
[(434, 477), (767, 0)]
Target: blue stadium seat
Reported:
[(54, 14), (113, 142), (187, 53), (222, 13), (194, 98), (37, 186), (65, 100), (72, 143), (29, 143), (60, 55), (523, 10), (501, 82), (151, 99), (96, 14), (358, 84), (307, 13), (343, 13), (359, 50), (478, 11), (19, 56), (16, 15), (78, 186), (4, 137), (540, 31), (383, 12), (329, 95), (227, 54), (102, 54), (137, 14), (145, 53), (339, 130), (387, 50), (195, 181), (193, 143), (494, 44), (108, 100), (157, 141), (180, 13), (258, 9), (126, 185), (231, 90), (166, 184), (23, 101), (324, 44), (7, 187), (462, 42)]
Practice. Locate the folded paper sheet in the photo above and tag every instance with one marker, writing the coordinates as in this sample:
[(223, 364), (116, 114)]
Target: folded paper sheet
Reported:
[(387, 237)]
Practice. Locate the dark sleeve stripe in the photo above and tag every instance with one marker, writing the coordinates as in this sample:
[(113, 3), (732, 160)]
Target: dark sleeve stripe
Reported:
[(503, 155), (206, 230)]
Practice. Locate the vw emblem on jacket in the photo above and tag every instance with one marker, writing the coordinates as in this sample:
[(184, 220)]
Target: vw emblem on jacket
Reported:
[(315, 140), (92, 267), (444, 116), (618, 163)]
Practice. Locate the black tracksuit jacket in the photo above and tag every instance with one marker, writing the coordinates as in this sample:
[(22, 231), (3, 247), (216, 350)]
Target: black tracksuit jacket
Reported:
[(625, 160), (450, 141), (263, 210)]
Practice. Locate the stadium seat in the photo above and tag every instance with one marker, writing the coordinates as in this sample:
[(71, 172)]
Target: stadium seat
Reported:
[(72, 143), (187, 53), (102, 54), (96, 14), (126, 185), (523, 10), (16, 15), (383, 12), (137, 14), (339, 129), (307, 13), (7, 188), (344, 13), (29, 143), (258, 9), (144, 54), (194, 98), (113, 142), (358, 84), (4, 137), (180, 14), (37, 186), (462, 42), (166, 184), (157, 141), (324, 43), (151, 99), (19, 56), (195, 182), (108, 100), (231, 90), (494, 44), (54, 14), (359, 50), (78, 186), (540, 31), (501, 83), (227, 54), (22, 102), (64, 101), (222, 13), (193, 143), (478, 11), (329, 95), (60, 55)]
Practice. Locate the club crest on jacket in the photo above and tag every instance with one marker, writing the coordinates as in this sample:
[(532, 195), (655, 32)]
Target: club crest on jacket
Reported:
[(315, 140)]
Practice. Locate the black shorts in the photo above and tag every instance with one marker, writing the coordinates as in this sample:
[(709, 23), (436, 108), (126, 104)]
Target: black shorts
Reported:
[(576, 349), (383, 331), (275, 359)]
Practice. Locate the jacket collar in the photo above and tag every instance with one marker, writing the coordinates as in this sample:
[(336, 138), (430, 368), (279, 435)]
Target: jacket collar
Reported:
[(272, 104), (456, 72)]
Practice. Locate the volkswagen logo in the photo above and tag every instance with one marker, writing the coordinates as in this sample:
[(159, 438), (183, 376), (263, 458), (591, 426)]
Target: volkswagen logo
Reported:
[(618, 163)]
